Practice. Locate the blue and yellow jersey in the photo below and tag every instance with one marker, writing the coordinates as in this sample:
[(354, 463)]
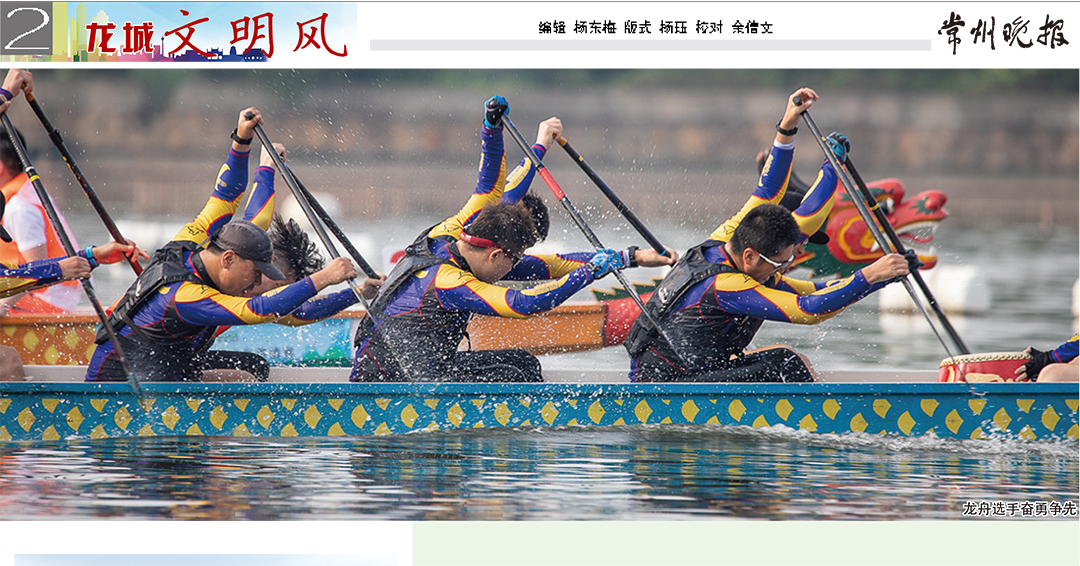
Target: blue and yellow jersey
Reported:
[(1066, 352), (451, 286), (185, 315), (780, 298), (319, 308), (219, 209), (812, 212), (495, 186), (29, 276), (490, 184), (260, 206)]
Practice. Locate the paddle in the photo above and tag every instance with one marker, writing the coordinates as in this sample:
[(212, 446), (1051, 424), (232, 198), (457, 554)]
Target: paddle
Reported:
[(65, 241), (58, 141), (307, 204), (864, 202), (334, 228), (615, 200), (582, 225)]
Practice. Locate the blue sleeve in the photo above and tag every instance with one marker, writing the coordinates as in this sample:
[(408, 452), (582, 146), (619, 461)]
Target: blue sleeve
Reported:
[(260, 206), (492, 162), (326, 306), (777, 171), (1066, 352), (519, 180)]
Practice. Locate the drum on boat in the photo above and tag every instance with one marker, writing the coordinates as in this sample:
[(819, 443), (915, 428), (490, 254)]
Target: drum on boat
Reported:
[(982, 368)]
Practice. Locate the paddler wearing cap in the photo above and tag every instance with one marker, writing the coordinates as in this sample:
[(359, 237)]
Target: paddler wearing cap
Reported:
[(716, 298), (451, 271), (167, 319)]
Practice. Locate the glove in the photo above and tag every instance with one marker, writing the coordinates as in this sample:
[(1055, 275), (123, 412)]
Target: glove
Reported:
[(1038, 361), (494, 109), (839, 145), (604, 262), (912, 258)]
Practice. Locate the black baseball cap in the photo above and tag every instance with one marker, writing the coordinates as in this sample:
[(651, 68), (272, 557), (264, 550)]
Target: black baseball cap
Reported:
[(250, 242)]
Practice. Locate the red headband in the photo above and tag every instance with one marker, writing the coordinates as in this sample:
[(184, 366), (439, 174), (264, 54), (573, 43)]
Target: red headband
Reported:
[(478, 242)]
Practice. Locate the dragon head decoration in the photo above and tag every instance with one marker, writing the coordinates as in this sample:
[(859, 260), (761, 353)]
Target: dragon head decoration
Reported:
[(851, 245)]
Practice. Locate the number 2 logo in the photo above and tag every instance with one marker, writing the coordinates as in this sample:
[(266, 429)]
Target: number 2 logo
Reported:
[(28, 24)]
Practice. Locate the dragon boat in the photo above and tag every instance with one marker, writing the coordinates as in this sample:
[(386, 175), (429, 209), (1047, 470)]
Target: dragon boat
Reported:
[(55, 405), (571, 327)]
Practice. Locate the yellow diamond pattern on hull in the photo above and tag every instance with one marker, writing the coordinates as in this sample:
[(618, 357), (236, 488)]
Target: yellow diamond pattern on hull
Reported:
[(218, 417), (830, 407), (953, 421), (690, 410), (596, 412), (241, 403), (1002, 419), (312, 416), (503, 414), (736, 409), (409, 415), (928, 406), (549, 413), (642, 411), (881, 407), (456, 415), (170, 417), (122, 418), (858, 423), (50, 404), (75, 418), (50, 434), (1025, 404), (905, 423), (807, 423), (97, 404), (264, 417), (359, 416), (1050, 418), (783, 408)]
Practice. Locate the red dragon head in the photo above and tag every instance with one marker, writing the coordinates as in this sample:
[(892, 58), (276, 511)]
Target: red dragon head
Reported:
[(851, 246)]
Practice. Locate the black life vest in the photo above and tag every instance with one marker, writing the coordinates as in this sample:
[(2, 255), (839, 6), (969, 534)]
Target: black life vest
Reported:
[(706, 336), (419, 341), (166, 268)]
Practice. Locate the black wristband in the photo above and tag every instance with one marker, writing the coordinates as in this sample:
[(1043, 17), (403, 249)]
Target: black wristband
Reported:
[(235, 135), (784, 132), (631, 253)]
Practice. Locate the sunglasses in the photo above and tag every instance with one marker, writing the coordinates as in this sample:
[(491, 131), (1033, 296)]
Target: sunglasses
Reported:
[(514, 258), (777, 265)]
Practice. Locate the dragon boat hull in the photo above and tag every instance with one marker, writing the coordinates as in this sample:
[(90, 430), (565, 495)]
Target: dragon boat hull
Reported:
[(571, 327), (286, 407)]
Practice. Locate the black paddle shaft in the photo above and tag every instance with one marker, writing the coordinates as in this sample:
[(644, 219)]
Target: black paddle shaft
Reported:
[(313, 218), (69, 248), (58, 141), (615, 200), (865, 203), (333, 227), (541, 170)]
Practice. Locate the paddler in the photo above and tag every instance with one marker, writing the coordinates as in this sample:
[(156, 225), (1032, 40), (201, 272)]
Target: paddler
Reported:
[(33, 239), (713, 302), (18, 280), (197, 282), (450, 273)]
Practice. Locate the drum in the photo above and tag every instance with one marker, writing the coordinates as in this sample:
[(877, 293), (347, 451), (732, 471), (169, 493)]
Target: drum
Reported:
[(982, 368)]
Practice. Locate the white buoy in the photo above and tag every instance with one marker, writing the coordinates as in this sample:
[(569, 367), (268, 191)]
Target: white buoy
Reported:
[(958, 290)]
